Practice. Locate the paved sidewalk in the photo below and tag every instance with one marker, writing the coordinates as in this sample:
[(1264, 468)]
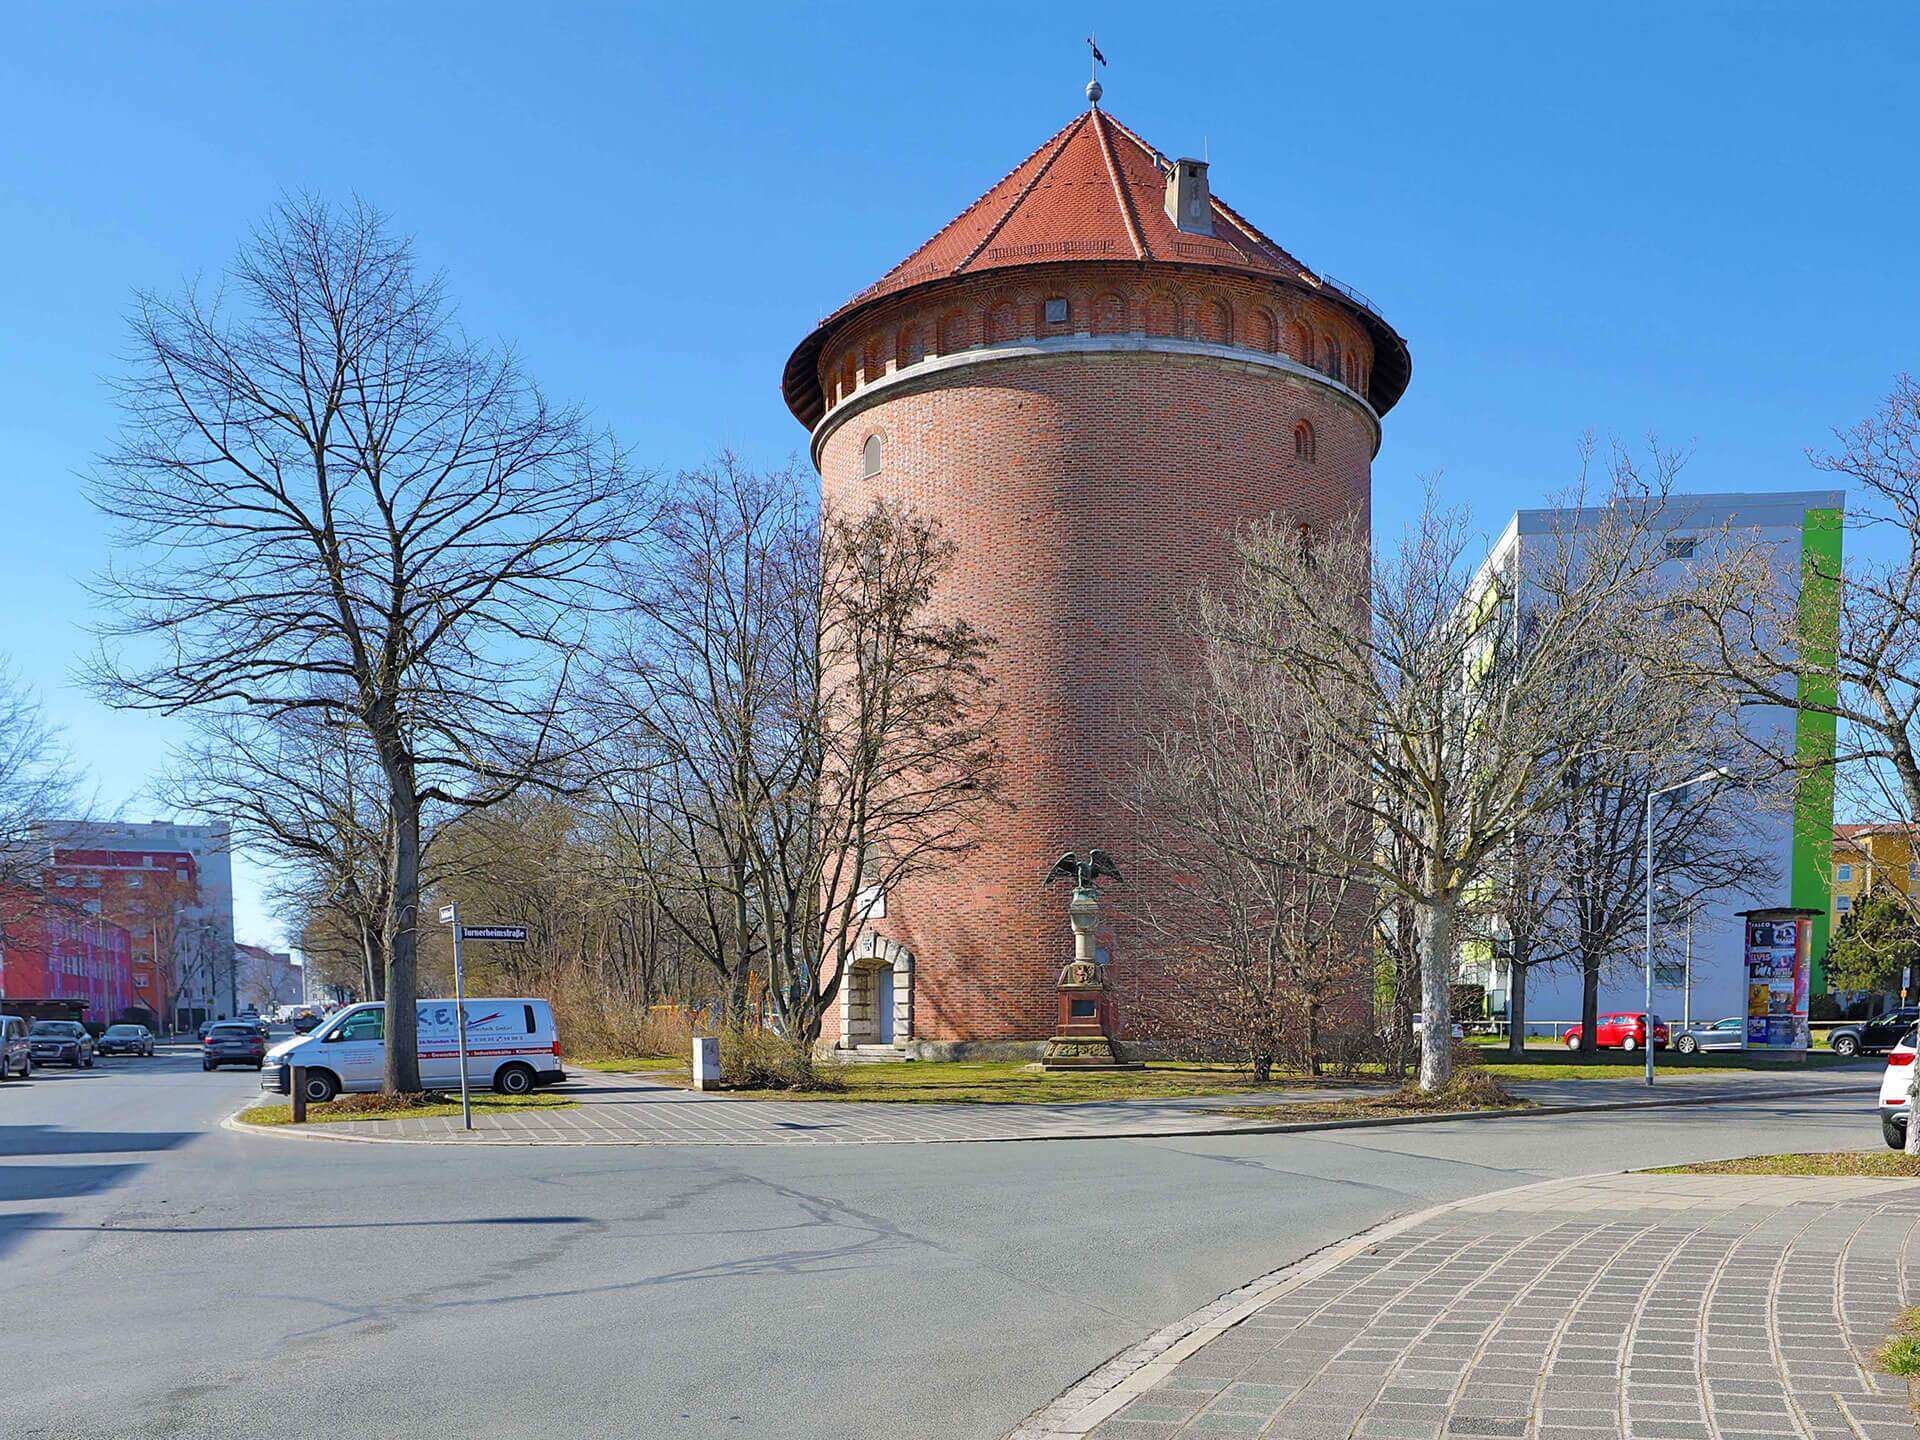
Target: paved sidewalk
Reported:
[(1641, 1307), (635, 1110)]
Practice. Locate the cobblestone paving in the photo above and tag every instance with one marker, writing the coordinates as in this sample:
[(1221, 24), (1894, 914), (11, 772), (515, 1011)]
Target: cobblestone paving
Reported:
[(634, 1110), (1649, 1307)]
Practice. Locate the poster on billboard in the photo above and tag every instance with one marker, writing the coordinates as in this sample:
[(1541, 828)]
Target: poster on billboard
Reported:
[(1777, 959)]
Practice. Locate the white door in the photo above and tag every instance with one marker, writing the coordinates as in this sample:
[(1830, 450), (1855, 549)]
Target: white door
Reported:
[(356, 1050)]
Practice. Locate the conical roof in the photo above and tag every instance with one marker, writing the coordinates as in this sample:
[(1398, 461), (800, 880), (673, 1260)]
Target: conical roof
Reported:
[(1093, 192)]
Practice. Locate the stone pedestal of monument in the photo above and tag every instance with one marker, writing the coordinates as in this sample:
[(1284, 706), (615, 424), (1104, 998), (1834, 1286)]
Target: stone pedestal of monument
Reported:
[(1083, 1032)]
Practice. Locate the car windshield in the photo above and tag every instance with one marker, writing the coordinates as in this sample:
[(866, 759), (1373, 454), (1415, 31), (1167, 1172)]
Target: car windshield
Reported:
[(240, 1030), (55, 1027), (123, 1030)]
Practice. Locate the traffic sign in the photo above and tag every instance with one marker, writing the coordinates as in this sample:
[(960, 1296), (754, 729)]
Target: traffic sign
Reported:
[(446, 914), (516, 933)]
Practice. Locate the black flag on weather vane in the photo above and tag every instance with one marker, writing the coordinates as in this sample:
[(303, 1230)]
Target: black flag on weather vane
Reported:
[(1096, 50)]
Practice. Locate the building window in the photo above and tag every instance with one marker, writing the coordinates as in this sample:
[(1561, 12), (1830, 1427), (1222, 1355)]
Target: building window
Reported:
[(1057, 311), (1843, 874), (1843, 904), (92, 882), (1680, 549), (870, 457), (134, 882), (65, 882), (1303, 447)]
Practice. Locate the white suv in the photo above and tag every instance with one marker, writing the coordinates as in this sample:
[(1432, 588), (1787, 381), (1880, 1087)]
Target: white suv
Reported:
[(1894, 1085)]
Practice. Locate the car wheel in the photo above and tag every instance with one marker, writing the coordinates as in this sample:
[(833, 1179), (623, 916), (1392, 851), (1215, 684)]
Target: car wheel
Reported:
[(206, 1064), (1573, 1042), (1894, 1132), (1627, 1044), (1686, 1045), (513, 1080), (321, 1086), (88, 1062), (1846, 1045)]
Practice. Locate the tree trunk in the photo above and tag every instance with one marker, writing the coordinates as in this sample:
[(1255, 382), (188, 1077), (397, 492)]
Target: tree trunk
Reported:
[(1589, 1006), (1313, 1036), (1913, 1113), (1262, 1068), (1434, 920), (402, 1076), (1516, 1011)]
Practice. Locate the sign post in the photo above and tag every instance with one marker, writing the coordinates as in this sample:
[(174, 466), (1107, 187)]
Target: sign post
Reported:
[(450, 915)]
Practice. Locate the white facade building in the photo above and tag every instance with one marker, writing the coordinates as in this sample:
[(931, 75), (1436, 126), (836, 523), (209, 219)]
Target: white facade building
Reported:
[(203, 971), (1712, 983)]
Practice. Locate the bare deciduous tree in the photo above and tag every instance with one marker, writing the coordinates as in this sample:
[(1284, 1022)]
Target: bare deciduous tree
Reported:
[(331, 501), (1229, 807), (1840, 644), (1446, 686)]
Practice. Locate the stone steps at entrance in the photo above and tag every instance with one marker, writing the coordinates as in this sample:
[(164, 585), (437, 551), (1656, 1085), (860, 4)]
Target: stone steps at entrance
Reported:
[(868, 1054)]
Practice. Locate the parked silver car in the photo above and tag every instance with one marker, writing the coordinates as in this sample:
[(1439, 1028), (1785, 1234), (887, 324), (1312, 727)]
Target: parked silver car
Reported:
[(16, 1052), (1727, 1034)]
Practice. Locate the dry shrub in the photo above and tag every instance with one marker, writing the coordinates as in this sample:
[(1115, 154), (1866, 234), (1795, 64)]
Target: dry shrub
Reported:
[(1469, 1088), (378, 1104), (595, 1025), (755, 1059)]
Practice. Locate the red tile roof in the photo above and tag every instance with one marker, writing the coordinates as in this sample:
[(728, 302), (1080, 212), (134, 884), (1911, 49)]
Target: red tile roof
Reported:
[(1094, 191)]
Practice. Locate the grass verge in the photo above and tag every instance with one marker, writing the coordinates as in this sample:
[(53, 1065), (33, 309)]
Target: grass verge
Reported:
[(632, 1064), (402, 1107), (1018, 1082), (1465, 1094), (1901, 1354), (1871, 1163)]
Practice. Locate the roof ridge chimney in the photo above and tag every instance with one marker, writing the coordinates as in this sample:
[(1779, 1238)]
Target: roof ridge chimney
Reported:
[(1189, 199)]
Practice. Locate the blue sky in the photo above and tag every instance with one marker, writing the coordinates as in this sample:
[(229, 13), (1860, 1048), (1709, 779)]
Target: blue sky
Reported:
[(1696, 221)]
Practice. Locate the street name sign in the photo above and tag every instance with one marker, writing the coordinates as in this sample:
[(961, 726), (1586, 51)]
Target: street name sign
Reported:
[(515, 933)]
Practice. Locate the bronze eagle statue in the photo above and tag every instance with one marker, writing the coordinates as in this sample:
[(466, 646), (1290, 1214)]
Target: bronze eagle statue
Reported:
[(1083, 872)]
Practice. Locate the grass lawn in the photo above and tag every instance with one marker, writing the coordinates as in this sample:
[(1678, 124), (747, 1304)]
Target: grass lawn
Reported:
[(1872, 1163), (369, 1107), (1465, 1094), (631, 1064), (1011, 1082), (1556, 1062), (1901, 1354)]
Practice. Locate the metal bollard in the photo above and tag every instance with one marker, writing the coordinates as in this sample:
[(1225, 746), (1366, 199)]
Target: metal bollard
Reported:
[(297, 1083)]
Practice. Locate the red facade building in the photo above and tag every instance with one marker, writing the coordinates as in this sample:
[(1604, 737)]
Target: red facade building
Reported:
[(1089, 377), (53, 950), (150, 895)]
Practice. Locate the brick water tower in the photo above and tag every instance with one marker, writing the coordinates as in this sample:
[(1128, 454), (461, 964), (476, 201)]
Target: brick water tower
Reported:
[(1088, 378)]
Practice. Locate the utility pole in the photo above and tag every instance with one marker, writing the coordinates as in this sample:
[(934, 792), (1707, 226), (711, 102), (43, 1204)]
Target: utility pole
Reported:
[(450, 915)]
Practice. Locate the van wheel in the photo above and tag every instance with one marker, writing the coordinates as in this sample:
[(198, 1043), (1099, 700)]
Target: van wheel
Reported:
[(321, 1086), (513, 1080)]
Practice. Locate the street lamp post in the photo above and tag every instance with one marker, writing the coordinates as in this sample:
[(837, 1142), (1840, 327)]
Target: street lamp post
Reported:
[(1715, 773)]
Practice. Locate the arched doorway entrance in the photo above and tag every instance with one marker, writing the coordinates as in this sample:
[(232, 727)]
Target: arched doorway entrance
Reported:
[(876, 999)]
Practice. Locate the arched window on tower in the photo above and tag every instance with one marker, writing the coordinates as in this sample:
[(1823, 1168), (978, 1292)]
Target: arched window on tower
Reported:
[(1303, 447), (870, 455)]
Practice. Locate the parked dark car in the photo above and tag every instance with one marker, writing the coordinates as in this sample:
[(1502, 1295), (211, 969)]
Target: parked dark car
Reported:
[(16, 1051), (126, 1040), (1875, 1036), (60, 1042), (233, 1042)]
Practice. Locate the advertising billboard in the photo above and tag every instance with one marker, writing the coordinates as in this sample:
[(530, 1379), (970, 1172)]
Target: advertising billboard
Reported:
[(1777, 971)]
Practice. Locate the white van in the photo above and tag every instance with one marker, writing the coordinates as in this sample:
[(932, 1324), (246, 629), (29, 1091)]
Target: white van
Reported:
[(512, 1046)]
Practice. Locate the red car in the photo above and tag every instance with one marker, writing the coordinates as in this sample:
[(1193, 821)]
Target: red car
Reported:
[(1622, 1032)]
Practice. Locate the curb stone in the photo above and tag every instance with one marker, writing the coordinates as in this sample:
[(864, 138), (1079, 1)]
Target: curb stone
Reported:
[(1145, 1132), (1106, 1389)]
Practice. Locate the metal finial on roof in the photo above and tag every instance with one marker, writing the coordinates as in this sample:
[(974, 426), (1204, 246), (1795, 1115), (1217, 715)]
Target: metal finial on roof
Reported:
[(1093, 92)]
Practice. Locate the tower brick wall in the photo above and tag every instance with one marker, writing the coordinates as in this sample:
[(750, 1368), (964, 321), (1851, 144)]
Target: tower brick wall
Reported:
[(1087, 493)]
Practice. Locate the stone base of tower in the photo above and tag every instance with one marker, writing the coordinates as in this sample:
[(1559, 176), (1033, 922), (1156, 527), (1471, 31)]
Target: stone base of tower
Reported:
[(1086, 1052)]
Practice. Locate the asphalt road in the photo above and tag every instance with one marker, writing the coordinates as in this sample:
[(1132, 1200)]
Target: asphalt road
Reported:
[(160, 1276)]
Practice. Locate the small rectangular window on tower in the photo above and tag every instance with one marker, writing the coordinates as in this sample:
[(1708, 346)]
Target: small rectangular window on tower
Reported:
[(1680, 549), (1057, 311)]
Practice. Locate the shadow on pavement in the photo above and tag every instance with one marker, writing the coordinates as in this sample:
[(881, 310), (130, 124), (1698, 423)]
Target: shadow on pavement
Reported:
[(54, 1182), (29, 1140), (35, 1222)]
